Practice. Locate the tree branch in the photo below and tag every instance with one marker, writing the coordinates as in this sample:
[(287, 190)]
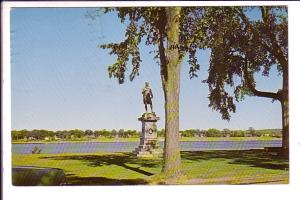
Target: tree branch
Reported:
[(251, 87)]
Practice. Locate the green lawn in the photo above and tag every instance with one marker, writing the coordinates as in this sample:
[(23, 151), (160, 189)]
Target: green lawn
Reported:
[(206, 167)]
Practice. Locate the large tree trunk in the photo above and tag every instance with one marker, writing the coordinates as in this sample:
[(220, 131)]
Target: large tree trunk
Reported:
[(170, 73), (285, 112)]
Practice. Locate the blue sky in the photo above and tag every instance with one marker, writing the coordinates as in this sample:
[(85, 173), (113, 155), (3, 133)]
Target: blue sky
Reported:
[(60, 81)]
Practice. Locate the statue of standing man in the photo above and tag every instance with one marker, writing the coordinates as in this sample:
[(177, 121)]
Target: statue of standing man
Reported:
[(147, 96)]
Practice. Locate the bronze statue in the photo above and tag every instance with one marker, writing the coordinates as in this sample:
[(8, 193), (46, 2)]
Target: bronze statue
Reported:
[(147, 96)]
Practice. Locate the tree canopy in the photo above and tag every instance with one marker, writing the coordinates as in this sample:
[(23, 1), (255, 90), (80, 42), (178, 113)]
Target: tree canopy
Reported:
[(149, 23), (241, 47)]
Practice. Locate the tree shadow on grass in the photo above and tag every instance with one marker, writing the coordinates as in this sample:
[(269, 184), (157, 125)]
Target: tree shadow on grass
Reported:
[(76, 180), (118, 159), (253, 158)]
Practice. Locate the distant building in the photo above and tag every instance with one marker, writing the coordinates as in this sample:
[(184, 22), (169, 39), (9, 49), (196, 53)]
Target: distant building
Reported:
[(91, 136), (201, 135), (31, 138), (56, 138)]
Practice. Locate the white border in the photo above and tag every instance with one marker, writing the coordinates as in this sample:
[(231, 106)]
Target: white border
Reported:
[(138, 3), (290, 191)]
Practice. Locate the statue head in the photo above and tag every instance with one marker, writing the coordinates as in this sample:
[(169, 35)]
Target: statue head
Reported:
[(146, 84)]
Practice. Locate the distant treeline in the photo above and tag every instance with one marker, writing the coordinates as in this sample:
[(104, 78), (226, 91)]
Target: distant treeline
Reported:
[(71, 134), (77, 134), (212, 132)]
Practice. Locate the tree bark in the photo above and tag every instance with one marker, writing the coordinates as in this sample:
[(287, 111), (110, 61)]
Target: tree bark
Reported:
[(285, 111), (170, 74)]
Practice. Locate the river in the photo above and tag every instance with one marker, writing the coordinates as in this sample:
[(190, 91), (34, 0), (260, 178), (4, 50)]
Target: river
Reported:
[(92, 147)]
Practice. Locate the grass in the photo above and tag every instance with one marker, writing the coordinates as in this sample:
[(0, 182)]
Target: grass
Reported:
[(205, 167), (183, 139)]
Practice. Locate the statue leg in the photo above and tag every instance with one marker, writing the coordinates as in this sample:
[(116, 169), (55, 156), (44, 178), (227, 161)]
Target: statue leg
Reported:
[(146, 107), (151, 107)]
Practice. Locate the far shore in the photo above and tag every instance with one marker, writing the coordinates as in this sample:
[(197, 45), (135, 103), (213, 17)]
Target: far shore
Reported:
[(183, 139)]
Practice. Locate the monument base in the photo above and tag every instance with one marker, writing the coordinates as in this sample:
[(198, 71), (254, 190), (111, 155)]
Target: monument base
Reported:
[(148, 151), (149, 145)]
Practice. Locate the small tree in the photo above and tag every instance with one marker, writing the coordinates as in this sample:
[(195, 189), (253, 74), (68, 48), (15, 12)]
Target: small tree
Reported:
[(121, 133), (88, 132), (77, 133), (226, 132), (114, 133), (212, 132), (251, 131)]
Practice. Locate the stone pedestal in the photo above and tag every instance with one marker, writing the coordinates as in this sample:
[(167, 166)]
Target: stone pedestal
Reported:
[(149, 144)]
